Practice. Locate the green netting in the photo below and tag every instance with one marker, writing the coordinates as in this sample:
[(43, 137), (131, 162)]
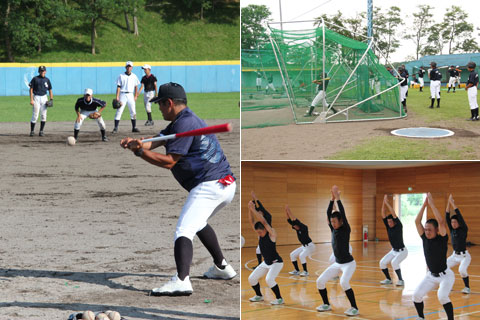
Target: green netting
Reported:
[(294, 59)]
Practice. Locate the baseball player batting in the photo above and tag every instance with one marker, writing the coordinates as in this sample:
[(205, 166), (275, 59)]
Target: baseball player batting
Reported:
[(127, 94), (39, 86), (200, 166), (86, 106)]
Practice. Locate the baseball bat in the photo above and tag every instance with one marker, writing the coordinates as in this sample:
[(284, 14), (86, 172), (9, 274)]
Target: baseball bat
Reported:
[(226, 127)]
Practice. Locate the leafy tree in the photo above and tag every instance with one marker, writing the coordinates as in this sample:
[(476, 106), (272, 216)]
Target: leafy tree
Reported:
[(385, 26), (422, 20), (457, 30), (435, 40), (252, 30)]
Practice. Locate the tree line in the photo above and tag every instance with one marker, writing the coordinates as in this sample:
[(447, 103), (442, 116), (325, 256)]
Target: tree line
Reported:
[(28, 25), (453, 34)]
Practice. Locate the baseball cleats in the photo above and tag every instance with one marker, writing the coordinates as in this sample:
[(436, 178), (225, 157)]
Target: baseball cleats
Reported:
[(41, 134), (352, 312), (294, 272), (32, 133), (303, 274), (466, 290), (400, 283), (324, 307), (104, 139), (135, 130), (115, 131), (386, 281), (216, 273), (277, 301), (175, 287), (149, 123), (256, 299)]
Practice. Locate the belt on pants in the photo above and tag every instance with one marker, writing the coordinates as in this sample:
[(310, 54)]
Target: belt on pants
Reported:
[(436, 275), (306, 245), (460, 252), (398, 250)]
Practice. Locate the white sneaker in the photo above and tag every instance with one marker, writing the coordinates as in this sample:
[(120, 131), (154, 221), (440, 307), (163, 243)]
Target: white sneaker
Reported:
[(351, 312), (400, 283), (324, 307), (216, 273), (386, 281), (175, 287), (466, 290), (256, 299), (277, 301), (294, 272), (303, 273)]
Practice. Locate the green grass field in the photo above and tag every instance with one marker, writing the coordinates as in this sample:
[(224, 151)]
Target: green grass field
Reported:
[(453, 112), (205, 105)]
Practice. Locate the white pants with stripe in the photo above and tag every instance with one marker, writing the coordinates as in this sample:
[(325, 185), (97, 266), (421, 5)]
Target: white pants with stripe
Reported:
[(435, 89), (203, 201), (347, 270), (462, 259), (262, 269), (126, 98), (147, 95), (452, 81), (403, 92), (39, 107), (302, 252), (445, 283), (83, 115), (394, 257), (320, 97), (472, 97)]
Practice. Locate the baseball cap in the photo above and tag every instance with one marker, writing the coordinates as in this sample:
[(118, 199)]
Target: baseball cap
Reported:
[(42, 68), (170, 90), (129, 63), (146, 66), (89, 91)]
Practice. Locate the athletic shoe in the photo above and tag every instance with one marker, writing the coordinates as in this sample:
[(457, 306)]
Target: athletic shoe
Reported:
[(104, 139), (41, 134), (135, 130), (277, 301), (400, 283), (216, 273), (294, 272), (431, 107), (471, 119), (303, 273), (351, 312), (175, 287), (256, 299), (466, 290), (477, 118), (386, 281), (324, 307), (32, 133), (149, 123), (115, 131)]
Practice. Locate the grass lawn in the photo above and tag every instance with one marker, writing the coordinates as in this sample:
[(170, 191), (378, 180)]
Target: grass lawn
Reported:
[(205, 105)]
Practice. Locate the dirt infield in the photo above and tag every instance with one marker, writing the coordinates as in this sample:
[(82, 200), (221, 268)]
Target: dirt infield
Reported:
[(91, 227)]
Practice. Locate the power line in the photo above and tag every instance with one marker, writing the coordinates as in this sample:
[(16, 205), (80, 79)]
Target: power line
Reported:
[(312, 9)]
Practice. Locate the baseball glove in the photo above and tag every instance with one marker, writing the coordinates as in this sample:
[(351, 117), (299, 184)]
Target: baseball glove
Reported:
[(116, 104), (94, 115), (49, 103)]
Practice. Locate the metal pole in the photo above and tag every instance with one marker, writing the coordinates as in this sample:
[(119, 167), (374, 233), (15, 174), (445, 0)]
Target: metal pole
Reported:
[(323, 67), (370, 20), (280, 5)]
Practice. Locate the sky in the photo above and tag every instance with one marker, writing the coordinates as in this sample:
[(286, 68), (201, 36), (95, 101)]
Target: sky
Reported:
[(301, 10)]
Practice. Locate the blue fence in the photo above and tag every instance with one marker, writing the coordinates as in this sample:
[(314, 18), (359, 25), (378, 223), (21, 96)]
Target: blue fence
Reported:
[(73, 78)]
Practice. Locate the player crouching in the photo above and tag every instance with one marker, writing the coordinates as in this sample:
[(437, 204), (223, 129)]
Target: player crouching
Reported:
[(86, 106)]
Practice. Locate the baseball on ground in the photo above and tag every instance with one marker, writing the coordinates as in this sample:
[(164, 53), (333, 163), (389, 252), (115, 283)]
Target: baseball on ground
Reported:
[(113, 315), (88, 315), (101, 316), (71, 141)]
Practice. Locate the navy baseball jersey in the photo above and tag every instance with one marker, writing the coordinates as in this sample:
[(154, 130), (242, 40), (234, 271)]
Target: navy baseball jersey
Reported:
[(202, 158), (40, 85), (452, 72), (421, 73), (435, 75), (473, 78), (149, 82), (94, 103)]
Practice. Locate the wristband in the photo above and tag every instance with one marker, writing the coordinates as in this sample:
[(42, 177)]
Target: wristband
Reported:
[(139, 152)]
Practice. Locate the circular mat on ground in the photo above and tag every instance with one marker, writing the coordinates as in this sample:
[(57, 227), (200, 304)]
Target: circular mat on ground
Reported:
[(423, 132)]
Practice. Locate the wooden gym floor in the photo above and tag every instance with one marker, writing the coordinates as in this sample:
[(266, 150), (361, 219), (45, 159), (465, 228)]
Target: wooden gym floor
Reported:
[(375, 301)]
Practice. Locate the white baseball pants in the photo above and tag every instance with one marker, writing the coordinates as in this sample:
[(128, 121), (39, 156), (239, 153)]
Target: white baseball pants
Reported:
[(435, 89), (259, 82), (203, 201), (462, 259), (428, 283), (257, 251), (403, 92), (39, 107), (271, 271), (452, 81), (320, 97), (394, 257), (334, 270), (147, 95), (332, 256), (420, 80), (126, 98), (472, 97), (270, 85), (303, 252), (83, 115)]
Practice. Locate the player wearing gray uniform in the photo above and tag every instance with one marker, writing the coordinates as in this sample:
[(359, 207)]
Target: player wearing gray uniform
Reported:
[(85, 107), (471, 87), (435, 245), (150, 83), (39, 86), (127, 94), (435, 84)]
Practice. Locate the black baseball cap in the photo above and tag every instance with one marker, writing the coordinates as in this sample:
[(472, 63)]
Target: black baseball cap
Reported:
[(170, 90), (42, 68)]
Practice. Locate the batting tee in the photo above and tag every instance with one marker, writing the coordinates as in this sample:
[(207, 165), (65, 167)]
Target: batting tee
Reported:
[(356, 86)]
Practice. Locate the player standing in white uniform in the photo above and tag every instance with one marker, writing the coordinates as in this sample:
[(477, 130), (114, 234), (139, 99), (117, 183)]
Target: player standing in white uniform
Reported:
[(150, 83), (421, 74), (435, 84), (471, 87), (39, 86), (127, 94), (435, 245), (453, 78)]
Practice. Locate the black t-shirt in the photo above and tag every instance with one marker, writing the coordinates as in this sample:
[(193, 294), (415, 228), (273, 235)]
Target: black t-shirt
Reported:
[(270, 79), (404, 75), (395, 234), (452, 72), (149, 82), (457, 73), (459, 235), (89, 106), (435, 75), (473, 78), (268, 248), (435, 251), (266, 214), (40, 85), (302, 232), (421, 73), (340, 236)]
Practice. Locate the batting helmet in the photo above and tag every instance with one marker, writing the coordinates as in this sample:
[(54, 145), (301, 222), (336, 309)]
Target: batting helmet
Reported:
[(471, 65), (433, 64), (42, 68)]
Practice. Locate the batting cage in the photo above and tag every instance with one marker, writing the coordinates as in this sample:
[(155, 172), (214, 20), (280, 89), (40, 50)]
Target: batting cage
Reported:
[(340, 77)]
